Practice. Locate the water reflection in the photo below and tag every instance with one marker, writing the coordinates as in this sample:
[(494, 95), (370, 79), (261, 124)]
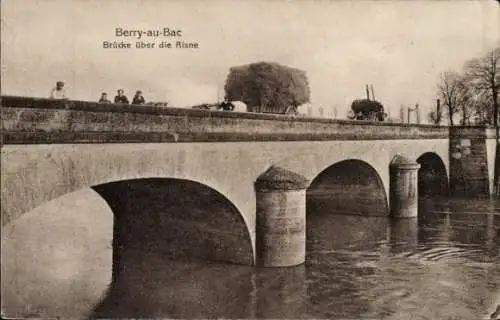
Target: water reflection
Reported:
[(281, 292), (403, 235), (154, 286), (445, 264), (329, 231)]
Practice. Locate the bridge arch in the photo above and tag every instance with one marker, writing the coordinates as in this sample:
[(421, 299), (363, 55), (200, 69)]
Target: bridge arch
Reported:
[(349, 186), (178, 218), (49, 172), (432, 175)]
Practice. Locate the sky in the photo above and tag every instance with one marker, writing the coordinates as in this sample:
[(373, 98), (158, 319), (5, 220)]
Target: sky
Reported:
[(400, 47)]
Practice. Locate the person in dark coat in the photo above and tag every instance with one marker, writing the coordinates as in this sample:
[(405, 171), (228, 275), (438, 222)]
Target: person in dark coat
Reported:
[(226, 105), (138, 98), (121, 98), (104, 98)]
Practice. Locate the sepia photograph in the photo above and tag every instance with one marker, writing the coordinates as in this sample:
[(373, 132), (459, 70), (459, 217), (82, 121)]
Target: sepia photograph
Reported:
[(224, 159)]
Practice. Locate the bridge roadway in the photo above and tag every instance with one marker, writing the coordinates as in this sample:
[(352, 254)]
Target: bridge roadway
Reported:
[(264, 168)]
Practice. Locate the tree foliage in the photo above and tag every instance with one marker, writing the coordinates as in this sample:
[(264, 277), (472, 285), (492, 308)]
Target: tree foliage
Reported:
[(267, 87), (483, 74), (449, 92), (483, 112), (473, 94), (470, 103), (435, 117)]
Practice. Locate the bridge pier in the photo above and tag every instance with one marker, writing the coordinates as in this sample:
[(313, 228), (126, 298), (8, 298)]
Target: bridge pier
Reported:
[(472, 161), (281, 218), (403, 187)]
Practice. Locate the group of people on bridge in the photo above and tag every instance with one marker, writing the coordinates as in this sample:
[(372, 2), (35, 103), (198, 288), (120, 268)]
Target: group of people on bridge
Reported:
[(122, 98), (58, 92)]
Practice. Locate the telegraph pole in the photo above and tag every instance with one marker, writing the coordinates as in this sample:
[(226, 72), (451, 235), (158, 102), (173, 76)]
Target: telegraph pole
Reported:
[(417, 109)]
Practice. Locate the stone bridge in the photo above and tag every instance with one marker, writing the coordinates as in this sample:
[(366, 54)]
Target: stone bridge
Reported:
[(251, 176)]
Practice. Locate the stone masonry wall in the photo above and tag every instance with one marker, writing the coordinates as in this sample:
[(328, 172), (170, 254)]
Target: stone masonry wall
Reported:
[(30, 120), (469, 162)]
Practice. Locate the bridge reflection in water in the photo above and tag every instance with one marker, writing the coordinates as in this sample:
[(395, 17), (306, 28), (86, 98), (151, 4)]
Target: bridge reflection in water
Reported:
[(446, 263)]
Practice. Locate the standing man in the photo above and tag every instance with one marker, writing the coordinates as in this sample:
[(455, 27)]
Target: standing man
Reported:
[(121, 98), (58, 92)]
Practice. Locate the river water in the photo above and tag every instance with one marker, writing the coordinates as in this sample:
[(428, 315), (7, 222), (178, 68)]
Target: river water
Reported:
[(56, 261)]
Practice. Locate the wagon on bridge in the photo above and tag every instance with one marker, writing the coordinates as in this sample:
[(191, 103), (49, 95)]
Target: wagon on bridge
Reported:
[(366, 109)]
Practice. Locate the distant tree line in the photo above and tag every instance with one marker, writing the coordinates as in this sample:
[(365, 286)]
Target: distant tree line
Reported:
[(470, 95)]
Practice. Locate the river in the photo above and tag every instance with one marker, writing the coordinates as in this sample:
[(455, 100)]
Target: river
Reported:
[(56, 261)]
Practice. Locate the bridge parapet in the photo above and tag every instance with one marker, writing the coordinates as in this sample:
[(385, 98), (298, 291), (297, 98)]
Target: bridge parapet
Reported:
[(35, 120)]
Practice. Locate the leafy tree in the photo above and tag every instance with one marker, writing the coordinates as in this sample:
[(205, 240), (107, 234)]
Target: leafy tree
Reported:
[(268, 87)]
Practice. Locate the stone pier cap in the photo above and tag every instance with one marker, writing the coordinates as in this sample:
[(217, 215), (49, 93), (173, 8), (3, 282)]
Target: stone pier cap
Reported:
[(404, 163), (279, 178)]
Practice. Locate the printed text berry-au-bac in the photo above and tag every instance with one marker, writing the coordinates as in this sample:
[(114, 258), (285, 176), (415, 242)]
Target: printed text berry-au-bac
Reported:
[(139, 33)]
